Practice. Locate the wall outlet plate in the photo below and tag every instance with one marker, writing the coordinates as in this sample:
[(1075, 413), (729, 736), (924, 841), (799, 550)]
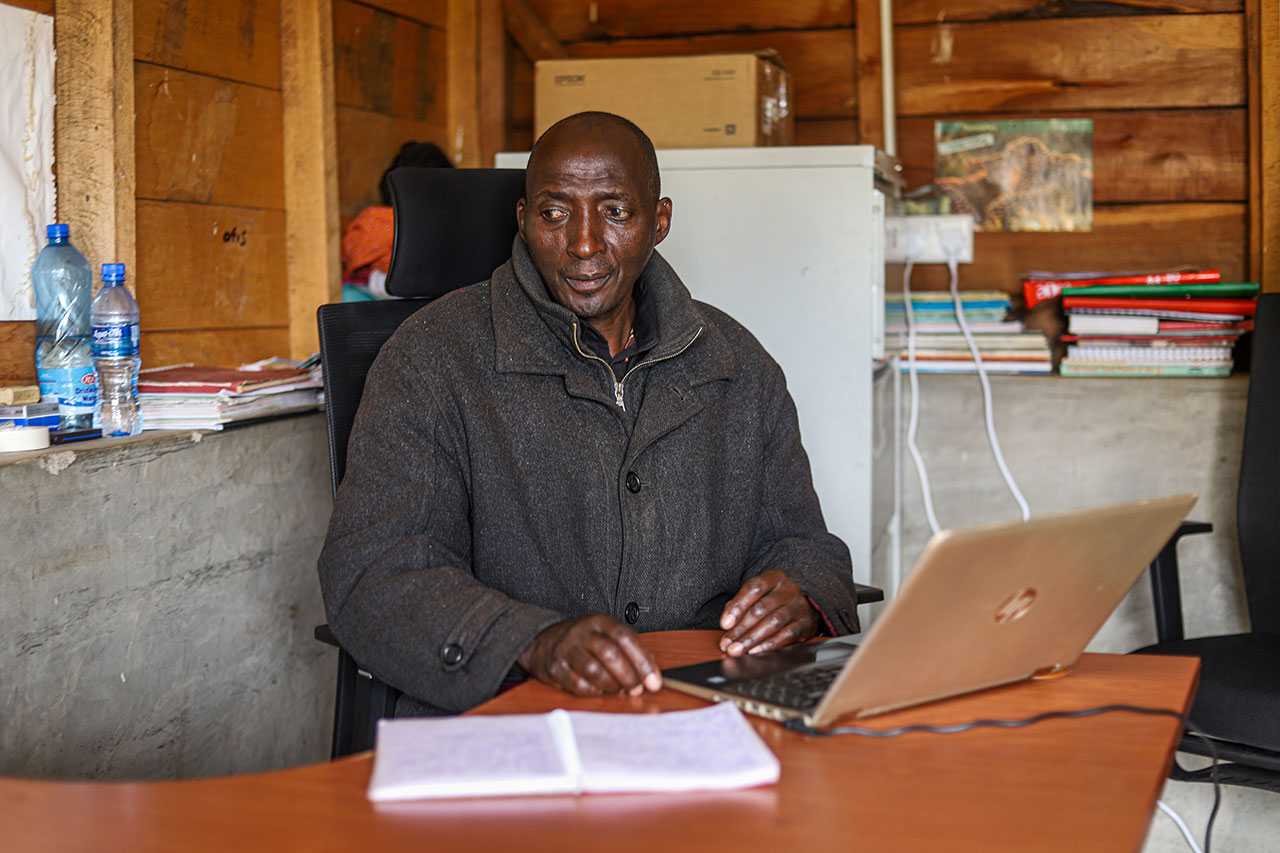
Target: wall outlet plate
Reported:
[(926, 239)]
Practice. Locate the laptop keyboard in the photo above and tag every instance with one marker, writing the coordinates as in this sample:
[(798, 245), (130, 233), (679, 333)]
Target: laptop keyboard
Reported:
[(797, 688)]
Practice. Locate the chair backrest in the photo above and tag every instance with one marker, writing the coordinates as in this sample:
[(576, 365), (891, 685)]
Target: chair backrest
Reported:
[(1258, 496), (351, 334), (453, 227)]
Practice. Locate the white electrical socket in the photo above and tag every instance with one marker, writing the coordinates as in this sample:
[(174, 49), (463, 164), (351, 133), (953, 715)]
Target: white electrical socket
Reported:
[(926, 239)]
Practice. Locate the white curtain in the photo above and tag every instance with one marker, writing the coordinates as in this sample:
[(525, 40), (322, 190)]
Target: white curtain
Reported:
[(26, 153)]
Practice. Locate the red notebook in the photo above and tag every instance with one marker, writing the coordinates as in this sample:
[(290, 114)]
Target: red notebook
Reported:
[(1202, 306), (189, 379)]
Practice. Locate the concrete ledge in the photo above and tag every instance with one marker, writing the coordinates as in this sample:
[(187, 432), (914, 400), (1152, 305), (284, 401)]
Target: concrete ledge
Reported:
[(159, 594)]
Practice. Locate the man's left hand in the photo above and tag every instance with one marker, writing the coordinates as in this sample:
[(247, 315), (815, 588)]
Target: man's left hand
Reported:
[(769, 612)]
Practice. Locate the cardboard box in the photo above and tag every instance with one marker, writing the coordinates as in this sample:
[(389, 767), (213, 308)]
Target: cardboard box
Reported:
[(712, 100)]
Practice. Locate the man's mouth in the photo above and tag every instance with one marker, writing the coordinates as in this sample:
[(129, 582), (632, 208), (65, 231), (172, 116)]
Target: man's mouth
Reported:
[(589, 280)]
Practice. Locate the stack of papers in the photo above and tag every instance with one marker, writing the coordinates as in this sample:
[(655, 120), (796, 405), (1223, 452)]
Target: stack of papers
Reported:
[(193, 397)]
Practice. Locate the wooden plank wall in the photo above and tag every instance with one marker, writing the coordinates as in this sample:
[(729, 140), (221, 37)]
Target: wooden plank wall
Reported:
[(1165, 84), (390, 69), (211, 269)]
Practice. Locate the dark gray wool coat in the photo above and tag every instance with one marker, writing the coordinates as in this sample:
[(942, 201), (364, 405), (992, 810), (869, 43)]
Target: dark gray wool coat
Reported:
[(495, 487)]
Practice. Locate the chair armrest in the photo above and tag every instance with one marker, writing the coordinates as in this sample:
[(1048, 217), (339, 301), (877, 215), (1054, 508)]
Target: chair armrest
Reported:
[(1165, 593), (324, 635), (864, 594)]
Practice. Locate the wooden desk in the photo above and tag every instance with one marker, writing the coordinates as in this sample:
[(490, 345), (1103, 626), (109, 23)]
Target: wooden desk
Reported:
[(1084, 784)]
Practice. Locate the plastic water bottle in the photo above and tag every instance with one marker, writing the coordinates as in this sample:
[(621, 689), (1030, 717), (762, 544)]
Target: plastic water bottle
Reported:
[(64, 362), (115, 354)]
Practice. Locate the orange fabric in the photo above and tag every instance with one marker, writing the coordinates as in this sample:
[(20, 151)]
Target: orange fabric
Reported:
[(368, 241)]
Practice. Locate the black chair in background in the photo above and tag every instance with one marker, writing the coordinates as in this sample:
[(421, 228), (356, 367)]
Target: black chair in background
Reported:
[(1238, 701), (453, 227)]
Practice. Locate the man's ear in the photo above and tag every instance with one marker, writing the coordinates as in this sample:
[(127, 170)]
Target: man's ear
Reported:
[(520, 218), (663, 220)]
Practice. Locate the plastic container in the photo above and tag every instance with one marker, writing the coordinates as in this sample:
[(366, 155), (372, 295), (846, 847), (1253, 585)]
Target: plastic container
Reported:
[(64, 361), (115, 354)]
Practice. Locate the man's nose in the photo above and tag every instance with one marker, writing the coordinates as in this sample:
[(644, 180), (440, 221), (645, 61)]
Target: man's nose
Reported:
[(586, 237)]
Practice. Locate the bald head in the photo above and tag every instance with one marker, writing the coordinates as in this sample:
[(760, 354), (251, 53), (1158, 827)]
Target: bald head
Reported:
[(608, 129)]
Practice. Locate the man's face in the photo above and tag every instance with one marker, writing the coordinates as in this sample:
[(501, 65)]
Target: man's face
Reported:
[(591, 219)]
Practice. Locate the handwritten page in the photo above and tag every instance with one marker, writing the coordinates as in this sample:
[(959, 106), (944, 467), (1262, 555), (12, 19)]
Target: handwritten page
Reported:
[(711, 748), (469, 756)]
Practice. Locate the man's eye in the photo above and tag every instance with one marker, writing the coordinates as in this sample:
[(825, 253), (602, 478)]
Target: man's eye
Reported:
[(619, 213), (553, 215)]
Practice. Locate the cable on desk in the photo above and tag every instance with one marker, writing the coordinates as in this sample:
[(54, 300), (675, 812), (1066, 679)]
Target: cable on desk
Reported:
[(797, 725)]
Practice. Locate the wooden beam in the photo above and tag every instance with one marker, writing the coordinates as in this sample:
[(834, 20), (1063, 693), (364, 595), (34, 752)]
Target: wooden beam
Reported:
[(477, 81), (462, 33), (1263, 24), (94, 142), (314, 273), (869, 73), (534, 37), (491, 54)]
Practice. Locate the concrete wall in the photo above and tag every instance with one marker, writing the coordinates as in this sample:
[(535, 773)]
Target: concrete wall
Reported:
[(1072, 443), (158, 595)]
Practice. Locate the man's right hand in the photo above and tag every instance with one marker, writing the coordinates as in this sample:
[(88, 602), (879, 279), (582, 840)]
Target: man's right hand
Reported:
[(591, 656)]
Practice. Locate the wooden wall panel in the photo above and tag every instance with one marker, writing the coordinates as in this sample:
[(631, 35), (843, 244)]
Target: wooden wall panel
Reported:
[(1136, 62), (367, 142), (388, 64), (390, 71), (208, 140), (424, 11), (17, 352), (1140, 236), (238, 41), (934, 11), (206, 266), (44, 7), (1139, 156), (575, 20), (230, 347)]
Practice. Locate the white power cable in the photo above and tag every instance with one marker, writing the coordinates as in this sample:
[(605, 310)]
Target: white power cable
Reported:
[(949, 245), (913, 419), (1177, 819)]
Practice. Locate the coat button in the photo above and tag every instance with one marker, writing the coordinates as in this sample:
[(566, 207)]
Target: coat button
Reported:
[(632, 611), (451, 654), (633, 482)]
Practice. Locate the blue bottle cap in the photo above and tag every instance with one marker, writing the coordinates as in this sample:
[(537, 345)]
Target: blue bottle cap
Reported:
[(57, 231), (113, 272)]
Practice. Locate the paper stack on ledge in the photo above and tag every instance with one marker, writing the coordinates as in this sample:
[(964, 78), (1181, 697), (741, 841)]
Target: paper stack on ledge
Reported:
[(1168, 324), (189, 396), (940, 345)]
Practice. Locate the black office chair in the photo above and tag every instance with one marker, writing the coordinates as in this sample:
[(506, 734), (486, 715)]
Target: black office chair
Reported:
[(453, 227), (1238, 701)]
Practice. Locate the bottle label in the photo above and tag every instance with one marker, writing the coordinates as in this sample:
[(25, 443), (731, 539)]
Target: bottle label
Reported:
[(115, 341), (75, 389)]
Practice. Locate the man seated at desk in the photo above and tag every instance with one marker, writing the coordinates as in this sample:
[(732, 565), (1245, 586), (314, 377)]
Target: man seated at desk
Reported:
[(546, 463)]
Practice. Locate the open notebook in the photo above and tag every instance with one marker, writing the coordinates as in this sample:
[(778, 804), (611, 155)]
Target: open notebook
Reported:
[(568, 752)]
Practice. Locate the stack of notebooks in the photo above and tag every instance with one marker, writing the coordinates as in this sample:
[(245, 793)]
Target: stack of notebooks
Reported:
[(1167, 324), (940, 347), (192, 397)]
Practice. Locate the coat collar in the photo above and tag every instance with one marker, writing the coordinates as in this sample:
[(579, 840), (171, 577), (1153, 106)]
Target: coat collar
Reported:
[(535, 334)]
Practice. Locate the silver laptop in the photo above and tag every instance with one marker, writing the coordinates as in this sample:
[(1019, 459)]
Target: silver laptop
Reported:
[(984, 606)]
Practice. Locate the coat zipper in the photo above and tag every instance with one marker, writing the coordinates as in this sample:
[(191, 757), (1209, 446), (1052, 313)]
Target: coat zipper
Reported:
[(617, 383)]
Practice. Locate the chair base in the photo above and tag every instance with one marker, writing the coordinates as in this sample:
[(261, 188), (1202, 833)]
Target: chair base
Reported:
[(1230, 774)]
